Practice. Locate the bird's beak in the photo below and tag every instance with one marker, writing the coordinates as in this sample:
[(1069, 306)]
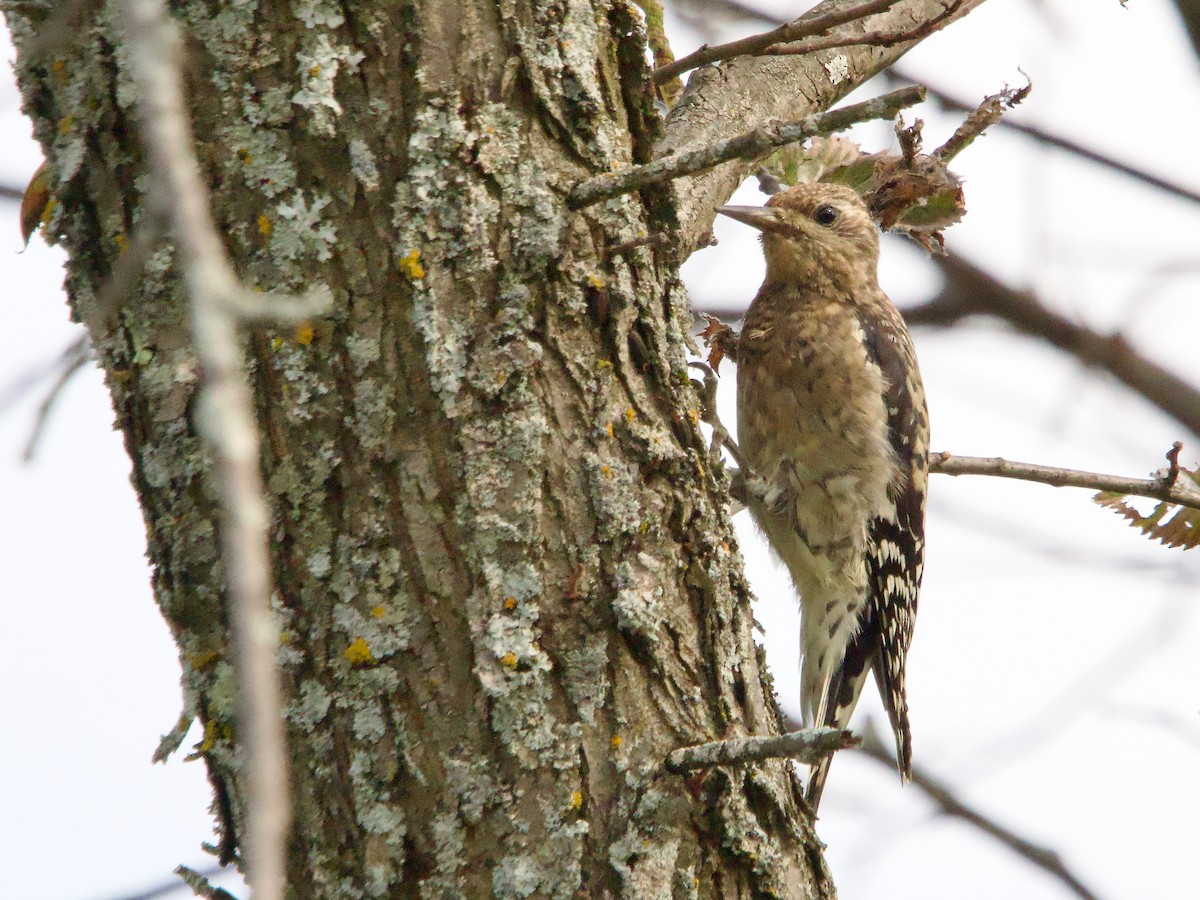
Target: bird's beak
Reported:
[(761, 217)]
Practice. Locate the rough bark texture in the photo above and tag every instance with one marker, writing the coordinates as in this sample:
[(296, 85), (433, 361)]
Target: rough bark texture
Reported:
[(506, 584)]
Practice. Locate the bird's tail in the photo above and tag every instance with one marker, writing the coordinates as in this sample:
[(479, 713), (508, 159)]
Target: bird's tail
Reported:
[(840, 699)]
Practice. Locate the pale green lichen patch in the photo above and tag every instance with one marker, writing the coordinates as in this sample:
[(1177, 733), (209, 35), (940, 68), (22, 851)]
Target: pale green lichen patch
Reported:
[(362, 164), (309, 708), (302, 230), (318, 14), (587, 676), (639, 603), (516, 877), (318, 64), (613, 483)]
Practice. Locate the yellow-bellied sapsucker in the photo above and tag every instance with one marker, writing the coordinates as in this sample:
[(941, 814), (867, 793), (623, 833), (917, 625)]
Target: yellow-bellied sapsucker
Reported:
[(832, 422)]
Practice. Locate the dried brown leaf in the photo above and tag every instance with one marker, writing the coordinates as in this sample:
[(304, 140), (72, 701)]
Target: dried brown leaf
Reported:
[(721, 340), (1181, 529), (35, 202)]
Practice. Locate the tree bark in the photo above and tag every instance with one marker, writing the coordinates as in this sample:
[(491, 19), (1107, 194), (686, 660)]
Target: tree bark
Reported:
[(505, 576)]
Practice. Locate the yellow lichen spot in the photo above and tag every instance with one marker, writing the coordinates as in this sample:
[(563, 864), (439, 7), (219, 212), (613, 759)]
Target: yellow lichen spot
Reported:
[(245, 156), (630, 415), (605, 365), (203, 659), (212, 731), (616, 742), (51, 205), (510, 602), (60, 69), (725, 546), (264, 225), (694, 415), (378, 611), (285, 637), (276, 343), (122, 243), (304, 333), (501, 377), (576, 799), (509, 660), (606, 471), (359, 654), (315, 71), (64, 124), (411, 266), (608, 429), (596, 280)]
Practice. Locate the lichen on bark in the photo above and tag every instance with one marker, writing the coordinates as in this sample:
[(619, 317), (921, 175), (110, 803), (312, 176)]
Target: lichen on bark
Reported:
[(505, 578)]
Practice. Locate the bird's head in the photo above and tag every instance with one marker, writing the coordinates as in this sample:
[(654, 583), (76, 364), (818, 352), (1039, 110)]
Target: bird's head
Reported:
[(815, 230)]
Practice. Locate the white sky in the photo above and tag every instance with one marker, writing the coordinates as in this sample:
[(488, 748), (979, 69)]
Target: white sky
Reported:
[(1080, 731)]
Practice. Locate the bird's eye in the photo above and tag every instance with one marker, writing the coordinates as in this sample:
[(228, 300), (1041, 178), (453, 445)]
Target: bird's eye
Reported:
[(825, 214)]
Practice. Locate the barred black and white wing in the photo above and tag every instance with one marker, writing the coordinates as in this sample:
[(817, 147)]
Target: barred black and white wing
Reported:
[(895, 548)]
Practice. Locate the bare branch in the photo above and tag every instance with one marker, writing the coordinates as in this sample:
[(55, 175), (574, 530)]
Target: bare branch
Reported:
[(749, 90), (1164, 488), (218, 305), (803, 27), (947, 101), (808, 745), (970, 291), (750, 145), (987, 114), (201, 886), (946, 800), (656, 34), (869, 38)]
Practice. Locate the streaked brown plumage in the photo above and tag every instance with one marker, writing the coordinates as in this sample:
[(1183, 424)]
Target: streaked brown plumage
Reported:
[(832, 421)]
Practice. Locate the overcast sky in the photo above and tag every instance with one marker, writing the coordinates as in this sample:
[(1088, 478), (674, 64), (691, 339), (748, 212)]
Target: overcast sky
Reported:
[(1054, 679)]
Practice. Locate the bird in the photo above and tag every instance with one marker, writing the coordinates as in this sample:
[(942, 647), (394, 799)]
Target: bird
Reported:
[(832, 422)]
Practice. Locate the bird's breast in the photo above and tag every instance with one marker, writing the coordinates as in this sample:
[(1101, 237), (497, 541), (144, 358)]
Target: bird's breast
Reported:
[(811, 415)]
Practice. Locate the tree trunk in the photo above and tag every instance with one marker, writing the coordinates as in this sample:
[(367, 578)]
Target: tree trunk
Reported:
[(505, 579)]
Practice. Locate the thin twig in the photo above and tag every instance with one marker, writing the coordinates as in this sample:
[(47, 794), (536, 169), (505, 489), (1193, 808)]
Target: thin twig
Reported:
[(947, 101), (801, 28), (987, 114), (868, 39), (808, 745), (754, 143), (218, 305), (941, 794), (201, 886), (73, 359), (656, 36), (1153, 488)]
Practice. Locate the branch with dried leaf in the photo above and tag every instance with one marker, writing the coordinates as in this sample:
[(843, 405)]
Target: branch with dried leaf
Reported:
[(219, 306), (750, 145), (806, 745), (947, 101), (1166, 487), (750, 89), (949, 804)]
